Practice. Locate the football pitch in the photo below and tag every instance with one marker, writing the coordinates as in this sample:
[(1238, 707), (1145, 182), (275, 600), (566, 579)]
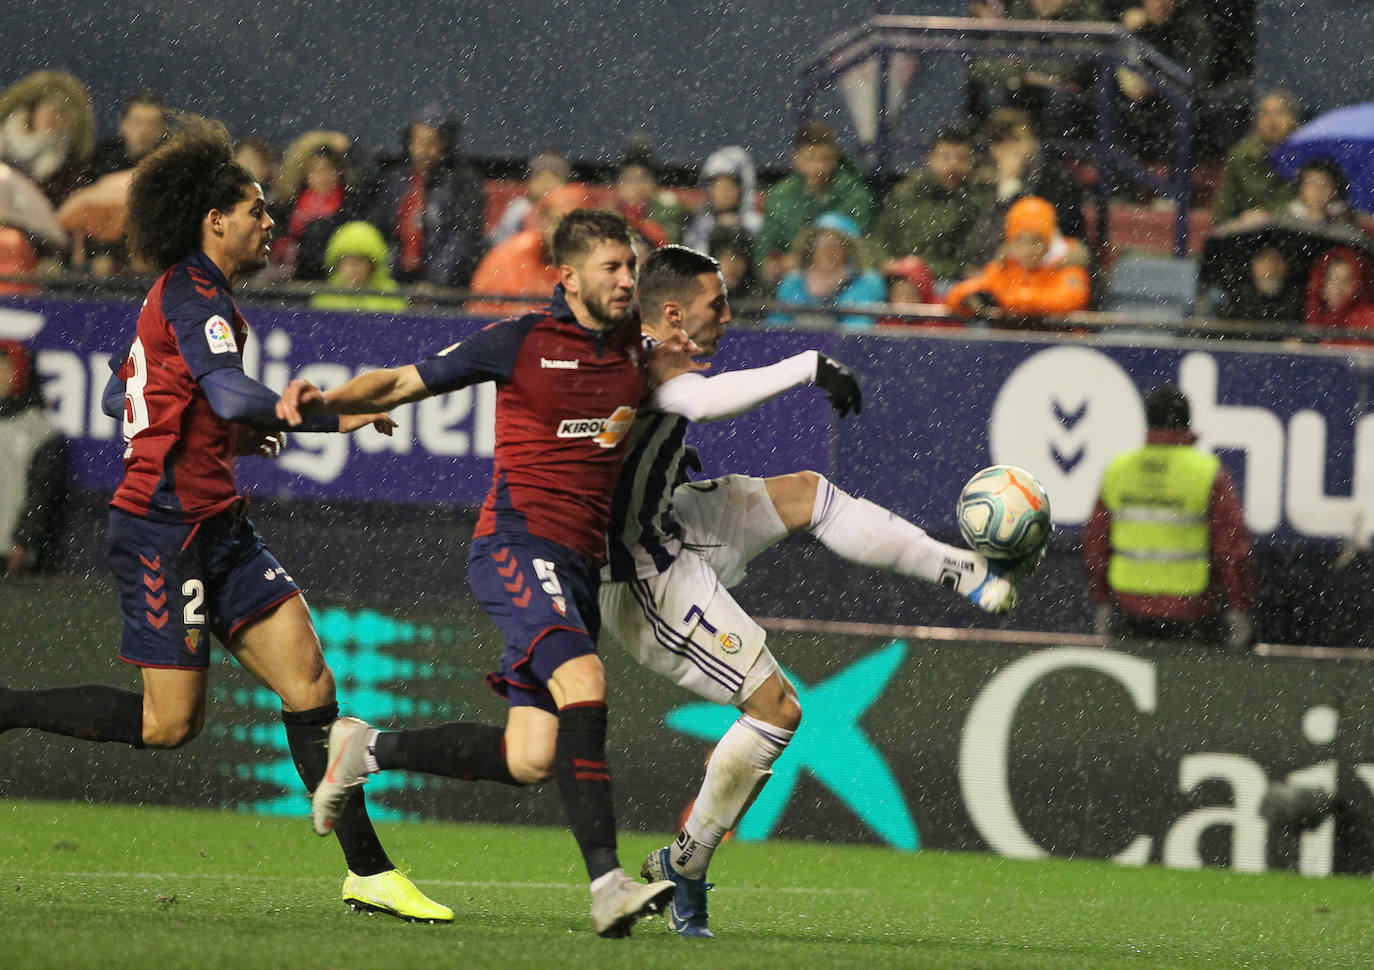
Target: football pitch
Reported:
[(106, 886)]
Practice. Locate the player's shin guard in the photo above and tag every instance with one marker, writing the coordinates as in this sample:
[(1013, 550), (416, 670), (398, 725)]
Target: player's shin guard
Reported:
[(739, 768), (862, 532), (307, 735), (462, 749), (584, 783), (92, 712)]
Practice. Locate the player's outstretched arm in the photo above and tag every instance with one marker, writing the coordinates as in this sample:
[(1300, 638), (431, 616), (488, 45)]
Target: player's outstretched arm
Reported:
[(705, 399), (383, 423), (365, 395)]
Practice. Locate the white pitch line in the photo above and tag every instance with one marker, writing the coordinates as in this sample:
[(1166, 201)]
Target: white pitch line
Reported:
[(473, 883)]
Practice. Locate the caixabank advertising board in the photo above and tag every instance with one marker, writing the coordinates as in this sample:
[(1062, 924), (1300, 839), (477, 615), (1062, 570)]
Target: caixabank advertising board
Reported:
[(1022, 745)]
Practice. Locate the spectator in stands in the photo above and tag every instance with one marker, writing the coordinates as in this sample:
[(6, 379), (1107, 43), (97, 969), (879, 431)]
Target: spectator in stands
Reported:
[(429, 203), (33, 486), (263, 161), (543, 173), (47, 130), (18, 257), (733, 248), (356, 259), (1166, 550), (934, 212), (1320, 192), (1250, 185), (1180, 33), (94, 216), (654, 213), (731, 185), (313, 191), (833, 274), (1021, 168), (822, 180), (1268, 294), (911, 289), (523, 265), (1038, 273), (142, 126), (1338, 293), (1055, 93)]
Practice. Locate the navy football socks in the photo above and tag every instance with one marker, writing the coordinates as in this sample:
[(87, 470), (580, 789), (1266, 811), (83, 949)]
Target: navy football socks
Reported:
[(91, 712), (307, 734)]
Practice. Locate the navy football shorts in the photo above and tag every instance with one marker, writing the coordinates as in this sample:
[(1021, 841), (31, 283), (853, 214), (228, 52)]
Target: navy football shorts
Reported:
[(180, 582), (543, 599)]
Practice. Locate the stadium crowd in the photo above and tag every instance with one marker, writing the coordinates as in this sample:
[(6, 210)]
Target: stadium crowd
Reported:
[(955, 241)]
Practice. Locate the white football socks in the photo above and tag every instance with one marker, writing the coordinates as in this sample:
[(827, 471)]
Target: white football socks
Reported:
[(862, 532), (739, 767)]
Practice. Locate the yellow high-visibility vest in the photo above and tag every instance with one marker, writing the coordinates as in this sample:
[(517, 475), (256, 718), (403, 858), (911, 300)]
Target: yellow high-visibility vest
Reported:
[(1158, 497)]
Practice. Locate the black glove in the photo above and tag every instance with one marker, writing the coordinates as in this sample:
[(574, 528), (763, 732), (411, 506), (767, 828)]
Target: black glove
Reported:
[(840, 386)]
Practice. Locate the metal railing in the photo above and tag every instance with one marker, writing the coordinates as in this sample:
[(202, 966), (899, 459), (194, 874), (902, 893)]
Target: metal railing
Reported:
[(449, 301)]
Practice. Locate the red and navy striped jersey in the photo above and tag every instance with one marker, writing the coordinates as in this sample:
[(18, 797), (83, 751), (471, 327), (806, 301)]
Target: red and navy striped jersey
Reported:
[(178, 454), (565, 401)]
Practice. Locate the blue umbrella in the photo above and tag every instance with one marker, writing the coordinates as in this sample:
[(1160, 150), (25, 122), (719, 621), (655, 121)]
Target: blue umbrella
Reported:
[(1346, 136)]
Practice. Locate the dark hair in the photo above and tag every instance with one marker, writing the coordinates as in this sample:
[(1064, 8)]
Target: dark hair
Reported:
[(638, 152), (671, 273), (815, 133), (734, 238), (1331, 170), (580, 230), (954, 135), (1166, 408), (174, 187), (139, 96)]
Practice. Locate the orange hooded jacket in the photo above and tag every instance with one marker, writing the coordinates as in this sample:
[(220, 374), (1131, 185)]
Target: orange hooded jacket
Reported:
[(1052, 289)]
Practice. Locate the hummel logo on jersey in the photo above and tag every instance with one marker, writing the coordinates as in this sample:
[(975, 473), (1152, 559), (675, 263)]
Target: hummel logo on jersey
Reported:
[(557, 364), (606, 432)]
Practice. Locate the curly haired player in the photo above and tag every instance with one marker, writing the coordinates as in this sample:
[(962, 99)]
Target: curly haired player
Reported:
[(185, 557)]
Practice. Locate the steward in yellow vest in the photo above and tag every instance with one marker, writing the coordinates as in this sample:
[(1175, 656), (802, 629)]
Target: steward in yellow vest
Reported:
[(1166, 549)]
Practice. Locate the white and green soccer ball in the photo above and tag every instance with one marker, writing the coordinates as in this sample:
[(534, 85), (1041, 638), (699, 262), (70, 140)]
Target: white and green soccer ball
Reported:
[(1003, 512)]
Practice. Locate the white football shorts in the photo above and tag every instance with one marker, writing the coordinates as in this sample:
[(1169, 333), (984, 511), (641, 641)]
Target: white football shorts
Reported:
[(683, 623)]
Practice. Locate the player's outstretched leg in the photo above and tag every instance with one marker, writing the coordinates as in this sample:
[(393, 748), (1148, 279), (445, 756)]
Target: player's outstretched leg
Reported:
[(860, 531), (92, 712), (462, 749)]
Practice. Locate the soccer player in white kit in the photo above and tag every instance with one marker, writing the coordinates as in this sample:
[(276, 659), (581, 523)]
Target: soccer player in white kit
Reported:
[(674, 547)]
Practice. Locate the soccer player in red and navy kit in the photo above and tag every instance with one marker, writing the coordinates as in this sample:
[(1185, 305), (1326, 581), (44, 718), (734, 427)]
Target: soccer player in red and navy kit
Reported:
[(570, 378), (186, 559)]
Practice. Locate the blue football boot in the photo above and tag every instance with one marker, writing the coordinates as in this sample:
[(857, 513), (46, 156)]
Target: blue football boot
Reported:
[(687, 910)]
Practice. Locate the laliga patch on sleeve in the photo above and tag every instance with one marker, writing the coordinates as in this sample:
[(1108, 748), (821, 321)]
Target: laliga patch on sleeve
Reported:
[(220, 336)]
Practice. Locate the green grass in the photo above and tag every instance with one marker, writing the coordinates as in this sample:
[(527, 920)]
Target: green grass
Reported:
[(163, 889)]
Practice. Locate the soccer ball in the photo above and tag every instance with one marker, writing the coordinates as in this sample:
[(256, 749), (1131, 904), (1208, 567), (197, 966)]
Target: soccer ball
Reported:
[(1003, 512)]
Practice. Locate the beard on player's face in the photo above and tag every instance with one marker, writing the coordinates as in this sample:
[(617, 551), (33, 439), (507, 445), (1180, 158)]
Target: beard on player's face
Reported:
[(601, 310)]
